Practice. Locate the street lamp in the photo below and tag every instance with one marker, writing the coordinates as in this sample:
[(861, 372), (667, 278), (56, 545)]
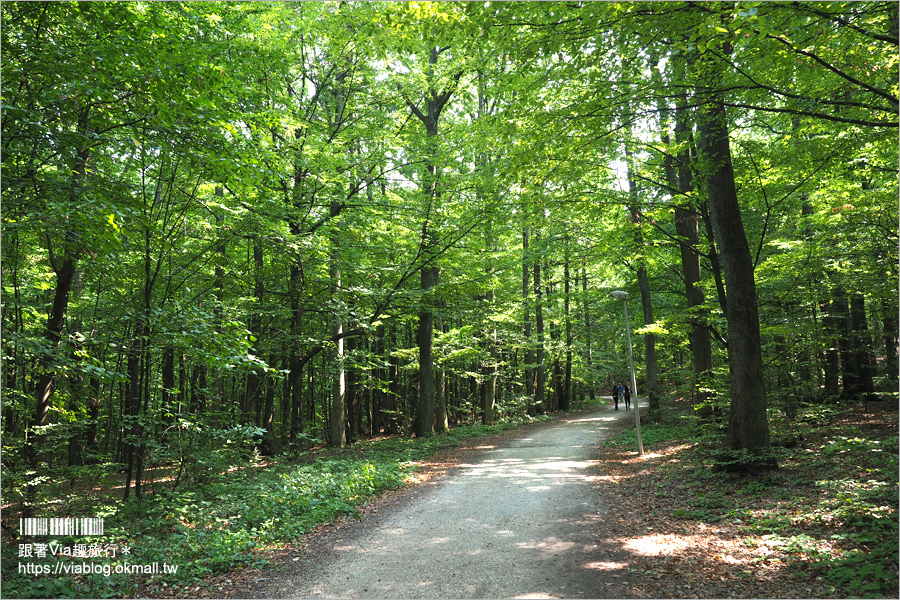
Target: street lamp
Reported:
[(623, 296)]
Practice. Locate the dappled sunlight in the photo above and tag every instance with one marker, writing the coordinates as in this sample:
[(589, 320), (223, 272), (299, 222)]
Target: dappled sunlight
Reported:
[(549, 471), (538, 488), (609, 419), (662, 544), (605, 566), (553, 545)]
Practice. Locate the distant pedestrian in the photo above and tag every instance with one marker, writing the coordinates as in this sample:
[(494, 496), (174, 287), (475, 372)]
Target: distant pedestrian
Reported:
[(627, 395), (615, 395)]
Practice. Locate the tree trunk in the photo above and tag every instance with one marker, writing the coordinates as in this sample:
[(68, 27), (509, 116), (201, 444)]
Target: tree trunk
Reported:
[(863, 357), (168, 382), (592, 393), (393, 383), (425, 414), (430, 274), (53, 334), (65, 274), (567, 386), (541, 375), (269, 441), (644, 286), (351, 397), (849, 372), (687, 226), (889, 330), (526, 286), (337, 437), (133, 455), (748, 427), (831, 359), (254, 378)]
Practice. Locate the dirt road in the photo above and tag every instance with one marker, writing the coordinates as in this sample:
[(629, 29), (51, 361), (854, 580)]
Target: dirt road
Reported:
[(521, 520)]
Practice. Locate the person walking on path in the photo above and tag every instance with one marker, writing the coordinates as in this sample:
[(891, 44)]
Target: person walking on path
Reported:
[(615, 395), (627, 395)]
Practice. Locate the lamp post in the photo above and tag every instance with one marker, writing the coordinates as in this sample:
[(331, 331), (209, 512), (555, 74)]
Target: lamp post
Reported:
[(623, 296)]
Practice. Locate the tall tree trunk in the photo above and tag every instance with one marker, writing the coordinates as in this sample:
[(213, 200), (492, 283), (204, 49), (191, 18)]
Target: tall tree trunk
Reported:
[(351, 397), (430, 273), (293, 393), (337, 437), (134, 388), (526, 312), (53, 334), (270, 440), (65, 274), (425, 339), (644, 286), (863, 357), (687, 226), (592, 385), (849, 373), (748, 427), (889, 331), (441, 424), (219, 286), (254, 378), (541, 374), (652, 367), (567, 386)]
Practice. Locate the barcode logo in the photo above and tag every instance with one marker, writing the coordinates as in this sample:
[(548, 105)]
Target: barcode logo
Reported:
[(61, 526)]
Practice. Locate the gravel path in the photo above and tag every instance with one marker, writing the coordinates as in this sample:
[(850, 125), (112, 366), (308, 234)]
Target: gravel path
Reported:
[(517, 520)]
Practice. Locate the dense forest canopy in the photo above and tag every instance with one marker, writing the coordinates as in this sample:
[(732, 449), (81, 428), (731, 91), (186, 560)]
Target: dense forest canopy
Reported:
[(275, 223)]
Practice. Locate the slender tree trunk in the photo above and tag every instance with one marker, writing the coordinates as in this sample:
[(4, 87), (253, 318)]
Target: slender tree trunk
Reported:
[(687, 226), (567, 386), (379, 397), (849, 374), (393, 383), (133, 455), (254, 378), (338, 437), (714, 261), (351, 397), (541, 375), (526, 312), (270, 440), (644, 286), (430, 273), (889, 331), (863, 357), (168, 382), (588, 338), (219, 286)]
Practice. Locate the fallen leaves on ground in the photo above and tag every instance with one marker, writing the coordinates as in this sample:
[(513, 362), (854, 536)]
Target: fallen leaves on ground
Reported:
[(713, 551)]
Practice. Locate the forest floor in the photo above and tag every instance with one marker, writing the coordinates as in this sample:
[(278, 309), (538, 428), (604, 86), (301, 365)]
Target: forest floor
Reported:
[(822, 525), (817, 527), (667, 524)]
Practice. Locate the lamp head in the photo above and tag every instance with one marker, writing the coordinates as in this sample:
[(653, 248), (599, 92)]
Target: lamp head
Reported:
[(619, 295)]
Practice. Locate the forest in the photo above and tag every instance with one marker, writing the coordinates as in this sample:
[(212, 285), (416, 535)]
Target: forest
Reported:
[(235, 231)]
